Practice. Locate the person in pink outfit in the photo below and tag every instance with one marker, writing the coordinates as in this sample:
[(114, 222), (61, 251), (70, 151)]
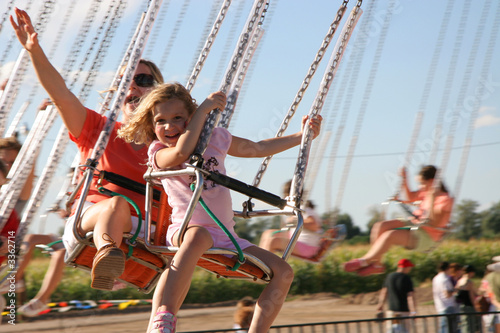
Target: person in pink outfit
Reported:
[(170, 121), (432, 215)]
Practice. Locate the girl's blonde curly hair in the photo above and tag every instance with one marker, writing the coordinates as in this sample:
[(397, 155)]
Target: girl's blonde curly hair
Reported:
[(140, 128)]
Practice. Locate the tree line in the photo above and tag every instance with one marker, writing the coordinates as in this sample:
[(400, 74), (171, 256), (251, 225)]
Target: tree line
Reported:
[(468, 222)]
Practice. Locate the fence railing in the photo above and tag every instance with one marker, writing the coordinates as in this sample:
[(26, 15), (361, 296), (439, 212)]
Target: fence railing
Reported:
[(451, 323)]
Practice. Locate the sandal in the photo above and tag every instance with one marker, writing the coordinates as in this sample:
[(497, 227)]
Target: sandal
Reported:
[(108, 264), (32, 308), (371, 269), (164, 322), (355, 264)]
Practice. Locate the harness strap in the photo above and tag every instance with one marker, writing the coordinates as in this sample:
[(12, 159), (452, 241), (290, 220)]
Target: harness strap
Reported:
[(127, 183), (241, 257)]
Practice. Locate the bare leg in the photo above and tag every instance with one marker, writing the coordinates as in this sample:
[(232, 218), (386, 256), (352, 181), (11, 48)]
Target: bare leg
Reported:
[(271, 240), (273, 296), (31, 240), (110, 216), (385, 242), (177, 279), (52, 277), (380, 227)]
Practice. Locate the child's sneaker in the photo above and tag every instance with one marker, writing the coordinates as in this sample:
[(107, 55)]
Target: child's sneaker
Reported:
[(164, 322), (32, 308)]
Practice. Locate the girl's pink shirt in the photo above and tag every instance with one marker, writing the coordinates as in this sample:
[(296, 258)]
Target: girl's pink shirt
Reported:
[(217, 197)]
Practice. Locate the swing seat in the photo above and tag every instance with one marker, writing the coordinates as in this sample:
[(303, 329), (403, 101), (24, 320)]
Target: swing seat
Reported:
[(218, 261), (142, 268), (330, 238)]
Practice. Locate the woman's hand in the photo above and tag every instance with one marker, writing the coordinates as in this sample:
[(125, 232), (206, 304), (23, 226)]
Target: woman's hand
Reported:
[(24, 29), (314, 124)]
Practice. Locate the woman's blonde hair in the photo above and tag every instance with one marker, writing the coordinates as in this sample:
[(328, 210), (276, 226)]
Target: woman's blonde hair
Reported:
[(155, 71), (140, 128)]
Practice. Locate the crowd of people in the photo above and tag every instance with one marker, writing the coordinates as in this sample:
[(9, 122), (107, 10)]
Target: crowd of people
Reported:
[(161, 124)]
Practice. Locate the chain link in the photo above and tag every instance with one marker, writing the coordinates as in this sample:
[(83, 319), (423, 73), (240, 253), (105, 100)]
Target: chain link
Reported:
[(17, 75), (62, 138), (240, 75), (214, 116), (208, 45), (300, 170), (136, 53), (305, 84)]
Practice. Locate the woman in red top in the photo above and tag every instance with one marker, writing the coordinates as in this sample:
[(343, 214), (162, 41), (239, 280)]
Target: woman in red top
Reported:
[(108, 217), (432, 214)]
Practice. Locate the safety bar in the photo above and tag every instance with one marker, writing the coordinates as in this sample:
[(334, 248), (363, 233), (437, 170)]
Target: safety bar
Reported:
[(198, 173)]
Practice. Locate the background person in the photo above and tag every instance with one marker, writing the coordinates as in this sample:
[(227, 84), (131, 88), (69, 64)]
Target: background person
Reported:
[(433, 214), (398, 289), (443, 293), (308, 242)]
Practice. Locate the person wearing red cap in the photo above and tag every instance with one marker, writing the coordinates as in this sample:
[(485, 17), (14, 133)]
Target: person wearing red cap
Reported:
[(398, 289)]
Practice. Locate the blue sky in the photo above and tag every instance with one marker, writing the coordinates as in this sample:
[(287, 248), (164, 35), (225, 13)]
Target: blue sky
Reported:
[(377, 111)]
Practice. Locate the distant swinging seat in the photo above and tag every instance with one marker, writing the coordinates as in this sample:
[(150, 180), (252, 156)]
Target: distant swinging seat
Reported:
[(329, 239), (444, 231), (226, 263)]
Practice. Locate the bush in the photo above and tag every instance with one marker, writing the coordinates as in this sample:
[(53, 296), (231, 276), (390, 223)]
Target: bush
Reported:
[(327, 276)]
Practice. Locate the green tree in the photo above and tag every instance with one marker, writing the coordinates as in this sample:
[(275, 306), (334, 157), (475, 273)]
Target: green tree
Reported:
[(252, 229), (377, 214), (490, 221), (467, 223), (334, 217)]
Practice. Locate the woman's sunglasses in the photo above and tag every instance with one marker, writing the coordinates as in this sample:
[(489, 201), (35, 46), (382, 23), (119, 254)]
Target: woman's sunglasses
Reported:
[(144, 80)]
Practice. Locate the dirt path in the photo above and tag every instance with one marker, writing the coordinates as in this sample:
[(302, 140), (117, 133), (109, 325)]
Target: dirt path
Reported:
[(306, 309)]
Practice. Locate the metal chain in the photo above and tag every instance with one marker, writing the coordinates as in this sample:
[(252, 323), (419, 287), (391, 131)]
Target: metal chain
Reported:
[(450, 79), (364, 103), (17, 75), (232, 96), (6, 14), (157, 30), (23, 164), (103, 48), (20, 113), (305, 84), (353, 70), (213, 117), (169, 45), (208, 45), (300, 169), (228, 42), (77, 46), (242, 70), (212, 17), (93, 43), (12, 39), (62, 138), (136, 53), (485, 69)]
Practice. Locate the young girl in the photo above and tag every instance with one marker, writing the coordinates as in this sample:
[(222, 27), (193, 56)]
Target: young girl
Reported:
[(170, 121)]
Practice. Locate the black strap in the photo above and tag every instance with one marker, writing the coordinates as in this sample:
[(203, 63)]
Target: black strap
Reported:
[(248, 190), (128, 184)]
